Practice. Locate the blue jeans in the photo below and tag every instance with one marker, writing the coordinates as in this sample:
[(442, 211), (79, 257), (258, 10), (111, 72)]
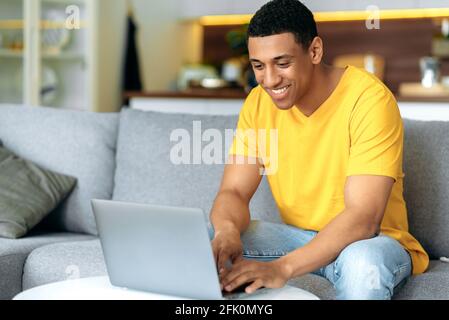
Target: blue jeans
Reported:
[(367, 269)]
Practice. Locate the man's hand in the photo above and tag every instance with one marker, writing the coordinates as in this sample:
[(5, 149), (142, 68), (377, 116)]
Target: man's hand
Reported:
[(273, 274), (226, 245)]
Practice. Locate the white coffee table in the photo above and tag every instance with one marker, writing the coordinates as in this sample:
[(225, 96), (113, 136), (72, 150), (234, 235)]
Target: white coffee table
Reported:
[(100, 288)]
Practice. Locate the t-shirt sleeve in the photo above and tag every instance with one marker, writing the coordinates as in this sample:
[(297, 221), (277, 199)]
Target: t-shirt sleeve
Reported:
[(376, 135), (245, 137)]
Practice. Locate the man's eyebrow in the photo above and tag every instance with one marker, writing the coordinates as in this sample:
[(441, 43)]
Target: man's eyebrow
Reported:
[(284, 56)]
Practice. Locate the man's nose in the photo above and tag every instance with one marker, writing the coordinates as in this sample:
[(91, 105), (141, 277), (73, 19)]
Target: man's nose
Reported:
[(271, 78)]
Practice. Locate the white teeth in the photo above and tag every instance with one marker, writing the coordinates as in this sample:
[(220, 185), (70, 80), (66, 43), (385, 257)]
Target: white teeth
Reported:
[(281, 90)]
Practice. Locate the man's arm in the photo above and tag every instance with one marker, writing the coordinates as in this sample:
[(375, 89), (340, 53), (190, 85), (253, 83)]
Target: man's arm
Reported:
[(230, 212), (366, 198)]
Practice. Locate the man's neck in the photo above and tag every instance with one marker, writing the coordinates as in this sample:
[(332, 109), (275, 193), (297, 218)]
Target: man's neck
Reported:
[(324, 81)]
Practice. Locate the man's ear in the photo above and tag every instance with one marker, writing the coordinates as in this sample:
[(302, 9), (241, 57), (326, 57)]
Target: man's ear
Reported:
[(316, 50)]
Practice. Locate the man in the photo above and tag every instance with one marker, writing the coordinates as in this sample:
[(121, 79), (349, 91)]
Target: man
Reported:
[(338, 178)]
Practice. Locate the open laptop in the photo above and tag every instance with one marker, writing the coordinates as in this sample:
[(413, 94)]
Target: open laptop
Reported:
[(161, 249)]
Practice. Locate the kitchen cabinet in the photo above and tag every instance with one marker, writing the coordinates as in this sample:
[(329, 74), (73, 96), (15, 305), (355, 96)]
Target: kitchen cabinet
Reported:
[(53, 53), (11, 51), (428, 111)]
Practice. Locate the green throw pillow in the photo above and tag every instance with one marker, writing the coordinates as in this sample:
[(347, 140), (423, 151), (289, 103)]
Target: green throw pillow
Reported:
[(27, 194)]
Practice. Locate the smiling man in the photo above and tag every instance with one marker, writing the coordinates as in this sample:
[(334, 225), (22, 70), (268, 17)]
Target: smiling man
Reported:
[(338, 183)]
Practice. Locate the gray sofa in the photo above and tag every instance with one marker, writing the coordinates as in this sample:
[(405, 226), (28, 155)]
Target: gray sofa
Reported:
[(125, 157)]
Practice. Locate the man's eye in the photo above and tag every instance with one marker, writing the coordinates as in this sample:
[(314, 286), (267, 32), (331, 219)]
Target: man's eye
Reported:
[(257, 66), (283, 65)]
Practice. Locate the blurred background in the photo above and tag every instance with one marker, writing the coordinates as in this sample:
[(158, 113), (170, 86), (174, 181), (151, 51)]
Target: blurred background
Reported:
[(102, 55)]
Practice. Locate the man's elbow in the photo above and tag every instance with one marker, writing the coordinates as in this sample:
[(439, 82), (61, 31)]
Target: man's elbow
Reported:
[(373, 225), (373, 230), (369, 224)]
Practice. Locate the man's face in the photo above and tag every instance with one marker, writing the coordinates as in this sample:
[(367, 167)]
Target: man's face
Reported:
[(281, 67)]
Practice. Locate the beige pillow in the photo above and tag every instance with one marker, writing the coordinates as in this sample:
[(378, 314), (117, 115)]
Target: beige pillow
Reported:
[(27, 193)]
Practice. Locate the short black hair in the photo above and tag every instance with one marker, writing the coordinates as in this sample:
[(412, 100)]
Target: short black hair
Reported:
[(280, 16)]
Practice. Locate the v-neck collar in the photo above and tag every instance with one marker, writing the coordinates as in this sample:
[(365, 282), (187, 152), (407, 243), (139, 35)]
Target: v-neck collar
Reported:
[(326, 104)]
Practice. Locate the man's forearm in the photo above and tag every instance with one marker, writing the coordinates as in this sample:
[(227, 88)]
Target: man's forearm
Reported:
[(230, 211), (345, 229)]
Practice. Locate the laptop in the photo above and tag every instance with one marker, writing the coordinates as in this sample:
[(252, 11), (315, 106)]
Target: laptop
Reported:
[(161, 249)]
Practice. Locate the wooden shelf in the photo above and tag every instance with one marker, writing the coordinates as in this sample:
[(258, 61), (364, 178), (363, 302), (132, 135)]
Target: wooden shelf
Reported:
[(6, 53), (227, 93), (63, 56), (44, 24), (414, 91)]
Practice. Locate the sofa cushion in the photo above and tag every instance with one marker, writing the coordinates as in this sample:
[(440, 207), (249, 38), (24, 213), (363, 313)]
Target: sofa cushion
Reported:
[(13, 253), (63, 261), (426, 183), (27, 193), (317, 285), (76, 143), (431, 285), (146, 174)]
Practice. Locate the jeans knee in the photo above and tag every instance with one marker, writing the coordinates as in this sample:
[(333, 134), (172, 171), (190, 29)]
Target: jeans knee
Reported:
[(362, 273)]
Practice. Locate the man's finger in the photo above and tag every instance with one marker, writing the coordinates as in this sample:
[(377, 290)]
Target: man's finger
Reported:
[(221, 263), (235, 272), (239, 280), (254, 286), (223, 273)]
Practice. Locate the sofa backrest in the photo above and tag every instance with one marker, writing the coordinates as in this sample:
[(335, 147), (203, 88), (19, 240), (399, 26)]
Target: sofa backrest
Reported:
[(426, 183), (80, 144), (83, 144), (146, 173)]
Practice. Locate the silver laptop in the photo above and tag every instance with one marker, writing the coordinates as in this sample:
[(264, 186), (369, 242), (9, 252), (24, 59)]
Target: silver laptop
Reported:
[(159, 249)]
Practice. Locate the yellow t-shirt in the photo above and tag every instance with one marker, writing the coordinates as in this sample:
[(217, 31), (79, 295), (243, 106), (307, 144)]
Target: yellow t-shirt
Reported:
[(357, 131)]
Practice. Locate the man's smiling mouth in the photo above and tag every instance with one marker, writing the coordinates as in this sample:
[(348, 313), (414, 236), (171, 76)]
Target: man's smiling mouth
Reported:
[(280, 90)]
